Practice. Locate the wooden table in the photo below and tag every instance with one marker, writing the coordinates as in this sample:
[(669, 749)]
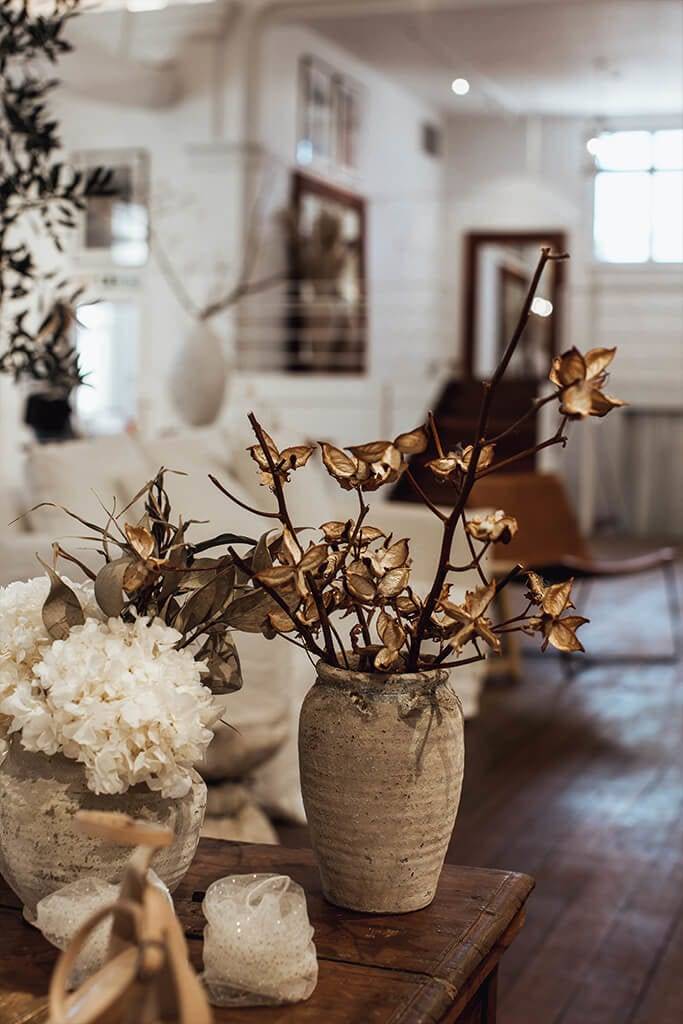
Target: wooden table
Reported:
[(436, 965)]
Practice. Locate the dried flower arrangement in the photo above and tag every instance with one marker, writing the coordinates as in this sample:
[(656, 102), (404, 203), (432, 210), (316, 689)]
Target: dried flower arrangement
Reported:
[(119, 673), (354, 570)]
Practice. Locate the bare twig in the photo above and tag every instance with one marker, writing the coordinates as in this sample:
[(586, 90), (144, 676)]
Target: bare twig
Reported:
[(450, 525), (538, 404), (435, 434), (240, 291), (242, 504), (283, 513), (324, 620), (428, 502), (556, 439), (476, 558)]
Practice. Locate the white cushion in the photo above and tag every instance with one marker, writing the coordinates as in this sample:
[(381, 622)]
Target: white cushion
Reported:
[(194, 496), (76, 473)]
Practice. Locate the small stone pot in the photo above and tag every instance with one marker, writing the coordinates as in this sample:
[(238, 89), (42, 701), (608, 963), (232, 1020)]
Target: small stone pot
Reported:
[(40, 848), (381, 759)]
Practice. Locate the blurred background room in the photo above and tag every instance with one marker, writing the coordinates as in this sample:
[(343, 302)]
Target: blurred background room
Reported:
[(329, 212)]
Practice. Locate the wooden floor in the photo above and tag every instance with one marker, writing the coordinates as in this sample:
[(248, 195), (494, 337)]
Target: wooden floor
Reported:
[(580, 784)]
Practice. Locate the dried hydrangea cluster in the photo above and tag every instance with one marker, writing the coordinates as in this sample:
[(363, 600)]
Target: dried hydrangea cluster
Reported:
[(352, 571), (151, 569)]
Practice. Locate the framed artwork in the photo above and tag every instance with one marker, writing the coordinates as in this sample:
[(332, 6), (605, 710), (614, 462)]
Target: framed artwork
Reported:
[(326, 322), (329, 116), (115, 229), (513, 284), (498, 268), (347, 122)]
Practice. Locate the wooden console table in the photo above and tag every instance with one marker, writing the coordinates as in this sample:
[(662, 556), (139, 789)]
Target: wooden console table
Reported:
[(436, 965)]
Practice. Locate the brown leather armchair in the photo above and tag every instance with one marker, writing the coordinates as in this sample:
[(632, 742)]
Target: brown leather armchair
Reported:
[(549, 542)]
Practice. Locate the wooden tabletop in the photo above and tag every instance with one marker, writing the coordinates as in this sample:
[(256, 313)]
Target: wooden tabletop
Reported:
[(415, 968)]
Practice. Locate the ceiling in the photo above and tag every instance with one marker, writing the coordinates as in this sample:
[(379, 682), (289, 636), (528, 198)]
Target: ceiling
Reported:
[(574, 57)]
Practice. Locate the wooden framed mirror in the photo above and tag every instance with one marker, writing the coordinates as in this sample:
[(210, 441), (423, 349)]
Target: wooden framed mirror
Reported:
[(498, 268)]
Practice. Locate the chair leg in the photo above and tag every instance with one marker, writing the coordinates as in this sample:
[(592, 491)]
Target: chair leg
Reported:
[(510, 663), (569, 667), (582, 591), (674, 604)]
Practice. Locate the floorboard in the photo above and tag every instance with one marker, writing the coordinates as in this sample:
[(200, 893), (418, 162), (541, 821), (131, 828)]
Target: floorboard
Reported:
[(580, 783)]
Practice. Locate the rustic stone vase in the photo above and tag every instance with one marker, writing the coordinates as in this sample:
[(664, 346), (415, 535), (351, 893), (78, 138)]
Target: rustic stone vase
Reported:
[(40, 849), (381, 759)]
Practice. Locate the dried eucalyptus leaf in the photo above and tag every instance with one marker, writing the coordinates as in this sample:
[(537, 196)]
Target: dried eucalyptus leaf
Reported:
[(140, 539), (196, 609), (62, 609), (221, 540), (224, 588), (249, 613), (224, 673), (202, 571), (109, 591), (262, 558)]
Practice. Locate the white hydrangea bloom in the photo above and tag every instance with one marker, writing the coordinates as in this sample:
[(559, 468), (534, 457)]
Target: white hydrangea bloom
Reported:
[(121, 700), (23, 638)]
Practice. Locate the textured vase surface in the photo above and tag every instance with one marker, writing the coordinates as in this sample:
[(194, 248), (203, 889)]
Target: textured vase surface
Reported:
[(199, 377), (40, 847), (381, 761)]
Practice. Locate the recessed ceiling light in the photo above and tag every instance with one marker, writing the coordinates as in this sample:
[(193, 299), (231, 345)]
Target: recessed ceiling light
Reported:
[(460, 86)]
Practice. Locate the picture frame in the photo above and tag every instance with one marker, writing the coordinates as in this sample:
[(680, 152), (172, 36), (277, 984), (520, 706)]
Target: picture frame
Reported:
[(114, 230), (329, 117), (327, 315)]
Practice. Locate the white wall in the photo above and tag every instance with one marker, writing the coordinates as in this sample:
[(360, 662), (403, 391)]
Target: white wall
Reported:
[(173, 137), (408, 339), (516, 174)]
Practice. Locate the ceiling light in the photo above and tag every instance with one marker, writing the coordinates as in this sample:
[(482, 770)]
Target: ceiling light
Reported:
[(541, 307), (460, 86), (592, 146)]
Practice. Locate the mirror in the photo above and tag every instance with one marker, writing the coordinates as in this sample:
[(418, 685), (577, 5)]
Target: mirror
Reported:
[(498, 269)]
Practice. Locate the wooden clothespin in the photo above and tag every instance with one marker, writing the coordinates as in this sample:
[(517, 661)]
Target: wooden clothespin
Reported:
[(147, 977)]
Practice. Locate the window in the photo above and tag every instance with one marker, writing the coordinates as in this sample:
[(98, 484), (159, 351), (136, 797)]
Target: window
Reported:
[(107, 349), (638, 197)]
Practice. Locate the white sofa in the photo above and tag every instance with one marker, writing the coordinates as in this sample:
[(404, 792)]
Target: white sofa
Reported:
[(82, 474)]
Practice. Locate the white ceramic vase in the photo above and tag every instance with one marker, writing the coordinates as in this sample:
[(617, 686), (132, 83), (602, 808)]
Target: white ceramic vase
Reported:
[(41, 850), (199, 377)]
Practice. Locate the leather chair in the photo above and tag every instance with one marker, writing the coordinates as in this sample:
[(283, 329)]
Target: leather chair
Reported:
[(549, 542)]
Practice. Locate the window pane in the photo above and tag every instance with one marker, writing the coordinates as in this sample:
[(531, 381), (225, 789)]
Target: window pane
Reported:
[(621, 225), (667, 217), (624, 151), (107, 350), (668, 151)]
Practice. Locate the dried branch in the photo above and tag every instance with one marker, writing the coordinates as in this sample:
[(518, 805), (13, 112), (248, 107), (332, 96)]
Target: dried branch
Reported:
[(426, 499), (283, 513), (300, 626), (490, 388), (238, 501)]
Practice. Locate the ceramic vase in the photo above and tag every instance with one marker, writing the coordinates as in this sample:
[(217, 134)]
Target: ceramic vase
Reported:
[(381, 760), (40, 848), (199, 377)]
